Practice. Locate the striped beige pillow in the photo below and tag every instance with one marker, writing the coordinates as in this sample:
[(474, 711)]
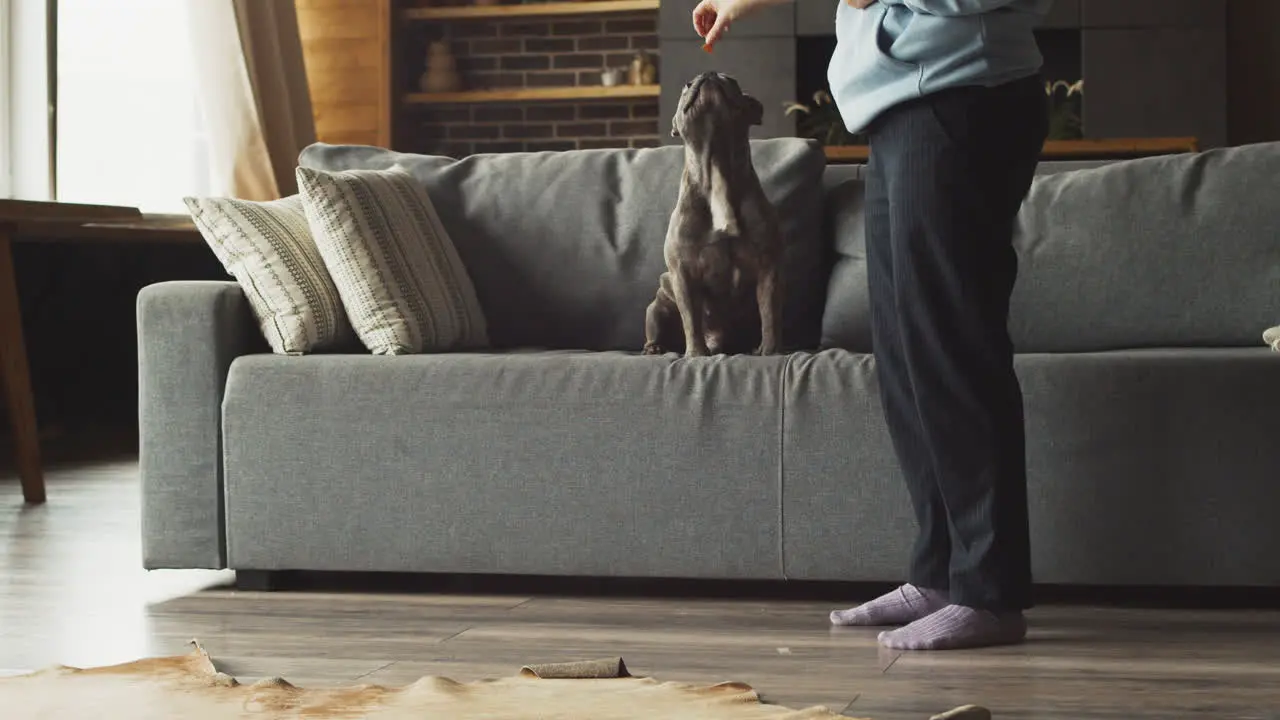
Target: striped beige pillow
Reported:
[(267, 247), (401, 280)]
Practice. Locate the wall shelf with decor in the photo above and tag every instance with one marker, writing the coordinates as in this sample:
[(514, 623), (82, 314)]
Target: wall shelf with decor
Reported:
[(529, 10), (502, 95), (491, 76), (1105, 149)]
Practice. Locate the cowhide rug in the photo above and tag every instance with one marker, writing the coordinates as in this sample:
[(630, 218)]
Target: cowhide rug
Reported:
[(189, 687)]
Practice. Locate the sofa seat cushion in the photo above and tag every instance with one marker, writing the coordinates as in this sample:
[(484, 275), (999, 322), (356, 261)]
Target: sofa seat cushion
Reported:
[(565, 249), (531, 462), (1145, 467)]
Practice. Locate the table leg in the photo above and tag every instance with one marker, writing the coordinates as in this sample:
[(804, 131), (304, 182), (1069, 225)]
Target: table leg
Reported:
[(16, 377)]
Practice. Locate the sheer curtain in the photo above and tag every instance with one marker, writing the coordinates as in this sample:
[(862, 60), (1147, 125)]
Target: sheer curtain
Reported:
[(6, 92), (158, 99), (271, 48)]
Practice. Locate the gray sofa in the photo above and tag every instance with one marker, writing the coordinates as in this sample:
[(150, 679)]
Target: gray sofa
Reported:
[(1152, 405)]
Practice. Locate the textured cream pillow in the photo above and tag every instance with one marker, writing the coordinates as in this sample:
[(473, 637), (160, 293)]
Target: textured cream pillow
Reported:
[(267, 247), (402, 283)]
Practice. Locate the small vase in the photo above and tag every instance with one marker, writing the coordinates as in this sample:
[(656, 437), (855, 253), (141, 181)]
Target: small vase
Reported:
[(642, 70), (442, 70), (649, 74), (611, 77)]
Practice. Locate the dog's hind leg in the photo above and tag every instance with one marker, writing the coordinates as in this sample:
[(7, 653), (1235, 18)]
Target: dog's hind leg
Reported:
[(654, 320), (662, 322)]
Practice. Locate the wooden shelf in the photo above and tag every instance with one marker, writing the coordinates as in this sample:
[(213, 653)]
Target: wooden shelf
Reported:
[(547, 9), (1063, 149), (847, 153), (581, 92), (1119, 147)]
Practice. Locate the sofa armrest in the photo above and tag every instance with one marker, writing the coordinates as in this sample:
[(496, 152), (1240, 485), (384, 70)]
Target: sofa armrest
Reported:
[(188, 335)]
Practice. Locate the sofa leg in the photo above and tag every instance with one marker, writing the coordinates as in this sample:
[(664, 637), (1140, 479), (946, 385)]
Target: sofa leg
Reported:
[(259, 580)]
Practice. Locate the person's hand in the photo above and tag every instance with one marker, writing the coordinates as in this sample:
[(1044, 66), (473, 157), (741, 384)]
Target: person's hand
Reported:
[(861, 4), (711, 18)]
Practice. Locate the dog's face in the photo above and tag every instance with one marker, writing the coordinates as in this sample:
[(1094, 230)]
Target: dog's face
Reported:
[(714, 103)]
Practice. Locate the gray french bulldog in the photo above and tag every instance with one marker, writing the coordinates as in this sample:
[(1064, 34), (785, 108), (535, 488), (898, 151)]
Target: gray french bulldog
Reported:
[(722, 291)]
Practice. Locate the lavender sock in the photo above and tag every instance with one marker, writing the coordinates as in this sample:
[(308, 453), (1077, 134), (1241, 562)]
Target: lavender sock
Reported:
[(956, 627), (906, 604)]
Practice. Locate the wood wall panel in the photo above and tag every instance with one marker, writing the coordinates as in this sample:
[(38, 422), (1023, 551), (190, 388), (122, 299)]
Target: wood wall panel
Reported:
[(347, 46)]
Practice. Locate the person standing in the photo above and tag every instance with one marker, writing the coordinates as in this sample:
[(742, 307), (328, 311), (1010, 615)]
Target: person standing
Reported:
[(950, 95)]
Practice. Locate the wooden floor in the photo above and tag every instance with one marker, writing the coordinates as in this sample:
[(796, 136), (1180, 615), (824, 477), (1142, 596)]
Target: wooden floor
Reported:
[(71, 592)]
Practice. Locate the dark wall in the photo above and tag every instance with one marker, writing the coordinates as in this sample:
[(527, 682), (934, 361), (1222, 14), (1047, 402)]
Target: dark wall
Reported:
[(1151, 67), (1253, 55), (78, 313)]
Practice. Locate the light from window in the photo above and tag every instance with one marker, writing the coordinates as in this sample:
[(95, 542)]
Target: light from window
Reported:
[(128, 126), (6, 93)]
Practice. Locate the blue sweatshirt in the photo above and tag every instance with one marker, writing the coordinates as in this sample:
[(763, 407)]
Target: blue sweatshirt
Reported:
[(898, 50)]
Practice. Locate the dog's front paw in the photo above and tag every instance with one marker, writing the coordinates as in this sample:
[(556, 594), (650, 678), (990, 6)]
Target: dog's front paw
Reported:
[(696, 352), (766, 349), (652, 349)]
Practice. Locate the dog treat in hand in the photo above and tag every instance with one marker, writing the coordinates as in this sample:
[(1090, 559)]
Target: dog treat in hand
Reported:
[(706, 47)]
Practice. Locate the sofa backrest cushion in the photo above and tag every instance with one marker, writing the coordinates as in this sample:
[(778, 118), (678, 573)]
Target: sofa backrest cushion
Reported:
[(846, 320), (1172, 251), (565, 249)]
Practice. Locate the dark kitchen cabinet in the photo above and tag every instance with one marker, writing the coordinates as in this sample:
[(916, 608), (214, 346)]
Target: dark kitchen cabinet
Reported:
[(765, 67)]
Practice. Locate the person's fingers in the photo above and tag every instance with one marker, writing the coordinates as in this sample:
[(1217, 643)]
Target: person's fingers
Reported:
[(717, 30), (704, 16), (708, 20), (703, 24)]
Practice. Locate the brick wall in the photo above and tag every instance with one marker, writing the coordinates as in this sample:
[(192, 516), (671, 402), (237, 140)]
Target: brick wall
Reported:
[(533, 52)]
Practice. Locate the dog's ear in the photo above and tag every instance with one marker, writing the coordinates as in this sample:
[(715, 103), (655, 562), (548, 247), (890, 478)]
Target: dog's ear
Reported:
[(752, 110)]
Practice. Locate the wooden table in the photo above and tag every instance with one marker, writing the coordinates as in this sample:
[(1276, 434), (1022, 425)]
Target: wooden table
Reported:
[(45, 223)]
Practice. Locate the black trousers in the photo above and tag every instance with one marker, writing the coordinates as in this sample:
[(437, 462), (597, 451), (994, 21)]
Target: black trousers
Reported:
[(946, 178)]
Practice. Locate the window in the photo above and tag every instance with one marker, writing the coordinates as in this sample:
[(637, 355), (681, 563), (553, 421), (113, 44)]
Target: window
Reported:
[(27, 169), (6, 122), (128, 128)]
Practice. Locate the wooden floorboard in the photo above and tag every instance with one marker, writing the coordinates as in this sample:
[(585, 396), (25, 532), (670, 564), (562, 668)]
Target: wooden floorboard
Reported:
[(72, 592)]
